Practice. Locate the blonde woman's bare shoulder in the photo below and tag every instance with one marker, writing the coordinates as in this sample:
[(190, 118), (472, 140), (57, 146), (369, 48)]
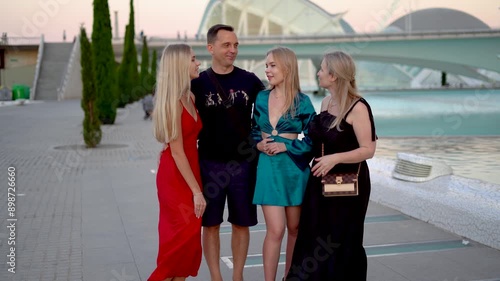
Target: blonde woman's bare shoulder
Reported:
[(359, 109), (192, 96), (324, 102)]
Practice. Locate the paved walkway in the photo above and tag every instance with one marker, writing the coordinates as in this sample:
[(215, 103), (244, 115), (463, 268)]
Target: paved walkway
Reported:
[(92, 214)]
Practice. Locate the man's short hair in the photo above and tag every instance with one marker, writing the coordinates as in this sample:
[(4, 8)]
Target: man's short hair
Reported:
[(212, 32)]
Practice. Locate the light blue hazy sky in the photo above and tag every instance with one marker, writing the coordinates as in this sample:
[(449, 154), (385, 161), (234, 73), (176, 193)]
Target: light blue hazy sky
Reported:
[(30, 18)]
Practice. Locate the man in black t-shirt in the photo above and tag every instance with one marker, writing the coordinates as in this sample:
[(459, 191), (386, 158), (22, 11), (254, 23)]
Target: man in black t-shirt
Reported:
[(224, 98)]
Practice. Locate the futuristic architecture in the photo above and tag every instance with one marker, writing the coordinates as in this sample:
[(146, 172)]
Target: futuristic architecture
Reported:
[(275, 18), (262, 18), (427, 20), (437, 19)]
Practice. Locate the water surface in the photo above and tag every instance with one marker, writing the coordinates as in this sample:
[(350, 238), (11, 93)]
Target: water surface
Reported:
[(460, 127)]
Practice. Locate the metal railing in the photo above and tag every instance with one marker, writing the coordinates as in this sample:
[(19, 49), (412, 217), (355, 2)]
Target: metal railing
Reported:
[(19, 41), (466, 33), (69, 68), (37, 68)]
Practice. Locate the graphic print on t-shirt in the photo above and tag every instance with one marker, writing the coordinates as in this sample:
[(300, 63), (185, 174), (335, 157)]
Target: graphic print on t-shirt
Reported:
[(235, 97)]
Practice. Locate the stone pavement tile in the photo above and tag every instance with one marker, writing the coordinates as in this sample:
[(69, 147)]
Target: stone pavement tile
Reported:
[(481, 260), (439, 265), (101, 240), (146, 268), (145, 255), (380, 272), (406, 231), (375, 209), (430, 266), (204, 273), (106, 255), (112, 272), (136, 201), (143, 237), (47, 233)]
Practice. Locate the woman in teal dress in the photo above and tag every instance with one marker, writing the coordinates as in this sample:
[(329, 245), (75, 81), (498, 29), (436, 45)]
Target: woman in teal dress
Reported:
[(280, 115)]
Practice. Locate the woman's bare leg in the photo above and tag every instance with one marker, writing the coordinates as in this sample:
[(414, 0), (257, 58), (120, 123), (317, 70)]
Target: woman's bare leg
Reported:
[(275, 225), (292, 224)]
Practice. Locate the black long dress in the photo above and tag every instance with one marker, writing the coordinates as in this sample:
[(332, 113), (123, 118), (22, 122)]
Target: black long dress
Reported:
[(329, 245)]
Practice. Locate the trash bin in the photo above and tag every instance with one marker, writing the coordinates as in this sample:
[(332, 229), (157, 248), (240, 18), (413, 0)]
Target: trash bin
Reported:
[(5, 94), (26, 92), (16, 92), (20, 92)]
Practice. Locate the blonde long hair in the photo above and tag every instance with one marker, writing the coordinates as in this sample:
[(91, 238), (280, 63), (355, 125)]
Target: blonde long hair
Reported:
[(287, 60), (342, 66), (173, 82)]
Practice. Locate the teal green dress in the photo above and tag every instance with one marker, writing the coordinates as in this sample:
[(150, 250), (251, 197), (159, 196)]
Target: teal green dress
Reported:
[(282, 178)]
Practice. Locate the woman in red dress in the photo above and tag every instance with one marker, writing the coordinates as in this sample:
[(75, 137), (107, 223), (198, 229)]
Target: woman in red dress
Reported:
[(176, 125)]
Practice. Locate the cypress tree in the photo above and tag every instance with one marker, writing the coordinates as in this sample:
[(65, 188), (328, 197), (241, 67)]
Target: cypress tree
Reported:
[(132, 55), (144, 77), (124, 83), (91, 125), (128, 73), (104, 63), (154, 63)]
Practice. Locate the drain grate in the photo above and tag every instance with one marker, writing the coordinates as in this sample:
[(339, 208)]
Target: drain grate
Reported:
[(417, 168)]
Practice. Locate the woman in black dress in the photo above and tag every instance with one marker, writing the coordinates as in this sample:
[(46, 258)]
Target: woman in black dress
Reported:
[(329, 245)]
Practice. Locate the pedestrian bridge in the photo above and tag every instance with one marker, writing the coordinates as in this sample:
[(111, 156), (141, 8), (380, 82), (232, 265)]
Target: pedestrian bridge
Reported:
[(457, 52)]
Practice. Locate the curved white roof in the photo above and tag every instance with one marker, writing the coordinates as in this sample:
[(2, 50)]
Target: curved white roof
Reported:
[(435, 19), (273, 17)]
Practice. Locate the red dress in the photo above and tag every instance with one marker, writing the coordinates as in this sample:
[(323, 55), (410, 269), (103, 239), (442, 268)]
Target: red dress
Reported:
[(179, 253)]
